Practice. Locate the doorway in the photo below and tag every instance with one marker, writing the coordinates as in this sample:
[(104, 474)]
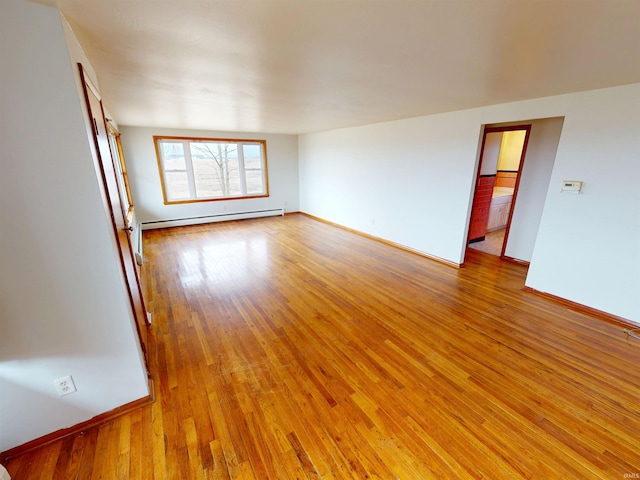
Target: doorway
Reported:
[(501, 160), (113, 200)]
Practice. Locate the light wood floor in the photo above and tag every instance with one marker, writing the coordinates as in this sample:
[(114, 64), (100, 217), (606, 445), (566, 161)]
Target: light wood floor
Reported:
[(285, 348)]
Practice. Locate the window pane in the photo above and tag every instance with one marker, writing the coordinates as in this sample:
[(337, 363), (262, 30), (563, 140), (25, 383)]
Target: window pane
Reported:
[(119, 164), (204, 173), (197, 169), (254, 181), (172, 156), (252, 156), (215, 169), (177, 185), (234, 182)]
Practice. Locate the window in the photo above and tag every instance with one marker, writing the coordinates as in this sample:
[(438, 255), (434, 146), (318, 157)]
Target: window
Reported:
[(121, 169), (204, 169)]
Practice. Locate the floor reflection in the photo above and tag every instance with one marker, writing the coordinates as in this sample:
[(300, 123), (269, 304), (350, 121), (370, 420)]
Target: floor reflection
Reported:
[(230, 261)]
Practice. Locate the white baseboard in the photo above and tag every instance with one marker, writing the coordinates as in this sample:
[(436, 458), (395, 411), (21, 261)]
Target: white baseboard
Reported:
[(223, 217)]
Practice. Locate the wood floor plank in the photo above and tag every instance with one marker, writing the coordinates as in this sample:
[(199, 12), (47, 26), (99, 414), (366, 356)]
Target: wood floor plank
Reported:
[(31, 467), (89, 451), (63, 459), (286, 348)]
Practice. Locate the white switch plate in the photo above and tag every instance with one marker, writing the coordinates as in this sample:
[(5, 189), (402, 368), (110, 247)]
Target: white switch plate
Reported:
[(571, 186)]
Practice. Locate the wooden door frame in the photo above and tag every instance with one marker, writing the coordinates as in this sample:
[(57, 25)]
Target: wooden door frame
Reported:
[(523, 155), (141, 324)]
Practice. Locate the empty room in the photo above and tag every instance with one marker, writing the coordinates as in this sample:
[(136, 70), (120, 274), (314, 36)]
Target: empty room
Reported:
[(299, 239)]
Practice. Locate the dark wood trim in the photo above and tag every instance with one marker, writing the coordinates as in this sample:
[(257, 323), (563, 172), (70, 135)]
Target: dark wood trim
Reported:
[(487, 175), (578, 307), (510, 128), (479, 239), (515, 260), (435, 258), (93, 422), (507, 171)]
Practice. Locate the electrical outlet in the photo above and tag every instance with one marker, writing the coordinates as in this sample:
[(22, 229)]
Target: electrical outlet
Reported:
[(65, 385)]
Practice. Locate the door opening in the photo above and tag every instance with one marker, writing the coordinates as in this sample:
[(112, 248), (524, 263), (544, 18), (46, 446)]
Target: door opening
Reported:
[(113, 201), (501, 159)]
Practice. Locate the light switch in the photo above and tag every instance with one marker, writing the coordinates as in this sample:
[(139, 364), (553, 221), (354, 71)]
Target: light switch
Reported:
[(571, 186)]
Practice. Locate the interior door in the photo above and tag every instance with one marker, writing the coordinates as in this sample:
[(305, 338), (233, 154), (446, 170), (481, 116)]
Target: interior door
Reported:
[(113, 204)]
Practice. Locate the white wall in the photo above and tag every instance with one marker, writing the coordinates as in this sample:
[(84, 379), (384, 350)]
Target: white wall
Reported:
[(534, 183), (588, 246), (144, 178), (411, 182), (64, 307), (406, 181)]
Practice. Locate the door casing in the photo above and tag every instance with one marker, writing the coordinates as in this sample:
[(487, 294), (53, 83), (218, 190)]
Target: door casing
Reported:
[(106, 170)]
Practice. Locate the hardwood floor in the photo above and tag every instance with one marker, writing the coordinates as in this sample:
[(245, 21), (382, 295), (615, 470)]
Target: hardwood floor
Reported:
[(285, 348), (492, 242)]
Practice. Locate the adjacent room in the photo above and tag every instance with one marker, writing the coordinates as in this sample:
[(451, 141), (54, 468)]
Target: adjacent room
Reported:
[(329, 239)]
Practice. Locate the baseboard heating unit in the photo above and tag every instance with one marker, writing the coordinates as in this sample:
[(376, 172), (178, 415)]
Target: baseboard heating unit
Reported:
[(220, 217)]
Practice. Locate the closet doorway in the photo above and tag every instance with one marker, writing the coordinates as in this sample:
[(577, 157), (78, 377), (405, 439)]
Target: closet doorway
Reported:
[(501, 160)]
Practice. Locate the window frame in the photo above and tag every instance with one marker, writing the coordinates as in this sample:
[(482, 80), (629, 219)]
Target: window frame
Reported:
[(120, 166), (191, 182)]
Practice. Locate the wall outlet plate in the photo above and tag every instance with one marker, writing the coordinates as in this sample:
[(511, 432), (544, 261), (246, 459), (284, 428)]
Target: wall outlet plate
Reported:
[(65, 385)]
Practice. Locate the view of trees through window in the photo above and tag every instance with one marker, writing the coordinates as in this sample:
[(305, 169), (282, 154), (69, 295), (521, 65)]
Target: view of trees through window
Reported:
[(210, 169)]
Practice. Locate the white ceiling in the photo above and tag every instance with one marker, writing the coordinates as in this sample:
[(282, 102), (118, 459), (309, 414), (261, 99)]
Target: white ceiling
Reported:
[(298, 66)]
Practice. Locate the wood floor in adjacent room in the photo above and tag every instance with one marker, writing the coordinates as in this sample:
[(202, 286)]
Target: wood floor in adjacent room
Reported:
[(285, 348)]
